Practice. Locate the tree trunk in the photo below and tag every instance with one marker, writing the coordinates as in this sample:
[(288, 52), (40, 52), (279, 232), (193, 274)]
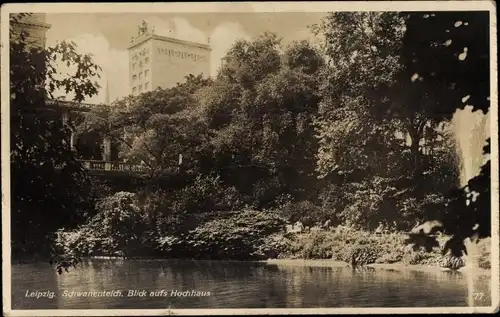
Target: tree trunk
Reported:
[(150, 210), (416, 133), (416, 156)]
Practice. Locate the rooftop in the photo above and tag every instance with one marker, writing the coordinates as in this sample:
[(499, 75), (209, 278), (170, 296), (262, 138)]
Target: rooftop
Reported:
[(144, 34), (146, 37), (34, 19)]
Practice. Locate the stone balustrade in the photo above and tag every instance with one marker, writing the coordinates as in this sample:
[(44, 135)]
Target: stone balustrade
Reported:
[(107, 166)]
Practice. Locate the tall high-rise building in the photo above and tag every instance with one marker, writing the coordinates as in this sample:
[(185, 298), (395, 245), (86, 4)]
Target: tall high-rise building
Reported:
[(157, 61)]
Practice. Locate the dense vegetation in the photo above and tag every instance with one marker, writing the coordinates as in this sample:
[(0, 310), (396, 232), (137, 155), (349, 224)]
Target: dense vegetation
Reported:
[(355, 131)]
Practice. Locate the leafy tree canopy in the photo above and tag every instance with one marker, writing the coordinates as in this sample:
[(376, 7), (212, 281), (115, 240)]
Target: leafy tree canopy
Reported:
[(53, 194)]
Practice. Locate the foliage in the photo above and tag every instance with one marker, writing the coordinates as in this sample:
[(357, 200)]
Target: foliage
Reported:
[(56, 191), (158, 130), (468, 214), (344, 244), (339, 244), (260, 111), (273, 246), (361, 49), (462, 42), (355, 131), (306, 212), (116, 229), (239, 236), (407, 85), (180, 210), (381, 202), (248, 62)]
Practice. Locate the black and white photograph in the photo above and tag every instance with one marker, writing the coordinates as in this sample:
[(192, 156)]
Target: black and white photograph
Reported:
[(249, 158)]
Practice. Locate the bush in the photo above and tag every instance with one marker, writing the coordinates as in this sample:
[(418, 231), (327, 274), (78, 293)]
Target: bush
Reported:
[(273, 246), (392, 257), (181, 210), (338, 245), (306, 212), (315, 245), (346, 244), (239, 236), (78, 242), (420, 257), (116, 229), (170, 245)]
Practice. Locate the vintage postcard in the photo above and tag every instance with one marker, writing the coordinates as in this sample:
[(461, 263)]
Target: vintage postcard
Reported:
[(249, 158)]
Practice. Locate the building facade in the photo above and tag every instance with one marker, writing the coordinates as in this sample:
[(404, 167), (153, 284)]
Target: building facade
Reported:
[(35, 27), (157, 61), (87, 146)]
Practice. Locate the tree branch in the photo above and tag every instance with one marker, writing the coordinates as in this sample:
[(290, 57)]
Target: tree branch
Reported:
[(421, 125)]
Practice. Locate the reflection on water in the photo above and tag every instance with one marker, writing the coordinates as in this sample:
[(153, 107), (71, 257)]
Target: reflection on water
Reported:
[(239, 285)]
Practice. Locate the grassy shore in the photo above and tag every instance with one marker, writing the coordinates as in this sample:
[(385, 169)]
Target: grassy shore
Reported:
[(376, 250), (381, 266), (319, 248)]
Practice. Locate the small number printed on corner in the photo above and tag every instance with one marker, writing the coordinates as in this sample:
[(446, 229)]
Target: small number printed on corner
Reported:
[(478, 296)]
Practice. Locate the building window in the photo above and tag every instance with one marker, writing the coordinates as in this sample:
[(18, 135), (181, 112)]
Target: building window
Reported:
[(146, 86), (134, 78), (140, 88), (134, 90), (146, 60), (146, 72), (140, 75), (133, 66)]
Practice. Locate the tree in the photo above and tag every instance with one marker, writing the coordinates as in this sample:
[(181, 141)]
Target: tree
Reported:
[(454, 61), (362, 52), (48, 184), (250, 61), (155, 128), (377, 105), (361, 49), (162, 133), (260, 111), (439, 55)]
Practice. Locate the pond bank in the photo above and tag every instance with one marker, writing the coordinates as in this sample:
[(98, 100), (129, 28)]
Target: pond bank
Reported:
[(381, 266), (314, 263), (298, 262)]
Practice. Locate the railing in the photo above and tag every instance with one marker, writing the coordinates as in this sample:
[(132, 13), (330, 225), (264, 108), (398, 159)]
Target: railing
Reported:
[(106, 166), (71, 104)]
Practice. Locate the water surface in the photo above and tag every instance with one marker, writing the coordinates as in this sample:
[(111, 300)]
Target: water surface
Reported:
[(237, 285)]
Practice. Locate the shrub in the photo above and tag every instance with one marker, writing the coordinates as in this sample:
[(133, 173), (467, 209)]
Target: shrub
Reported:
[(343, 244), (170, 245), (420, 257), (273, 246), (339, 245), (78, 242), (181, 210), (306, 212), (315, 245), (238, 236), (391, 257), (116, 229), (363, 254)]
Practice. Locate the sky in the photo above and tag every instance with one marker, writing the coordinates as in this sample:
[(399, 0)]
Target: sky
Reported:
[(107, 35)]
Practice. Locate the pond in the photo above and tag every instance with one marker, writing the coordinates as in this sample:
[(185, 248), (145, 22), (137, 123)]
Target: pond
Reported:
[(214, 284)]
